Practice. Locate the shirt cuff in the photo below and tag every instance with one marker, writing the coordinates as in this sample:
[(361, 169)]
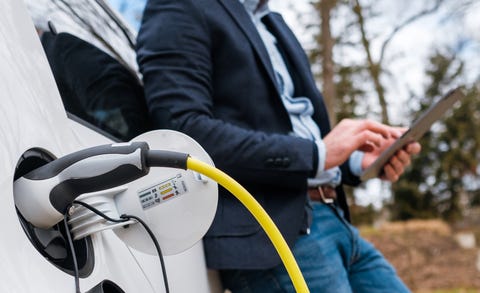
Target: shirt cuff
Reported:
[(355, 163), (322, 154), (331, 176)]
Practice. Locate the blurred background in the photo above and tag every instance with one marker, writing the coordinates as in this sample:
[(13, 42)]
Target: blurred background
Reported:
[(388, 61)]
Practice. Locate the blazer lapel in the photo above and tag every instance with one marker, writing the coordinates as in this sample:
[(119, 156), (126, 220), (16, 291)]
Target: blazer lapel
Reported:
[(243, 20), (299, 66), (288, 42)]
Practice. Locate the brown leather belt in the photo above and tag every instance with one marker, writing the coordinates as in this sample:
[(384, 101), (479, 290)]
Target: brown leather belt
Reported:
[(322, 193)]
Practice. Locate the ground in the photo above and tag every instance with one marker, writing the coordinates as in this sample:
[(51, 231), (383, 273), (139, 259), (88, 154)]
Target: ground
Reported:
[(428, 257)]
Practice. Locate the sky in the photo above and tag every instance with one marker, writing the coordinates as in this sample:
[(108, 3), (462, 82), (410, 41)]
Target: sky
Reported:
[(131, 10), (407, 52)]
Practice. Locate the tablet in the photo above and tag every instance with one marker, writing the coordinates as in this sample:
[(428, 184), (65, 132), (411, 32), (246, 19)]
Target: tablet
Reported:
[(415, 132)]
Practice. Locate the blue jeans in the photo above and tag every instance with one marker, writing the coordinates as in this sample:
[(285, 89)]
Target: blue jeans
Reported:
[(332, 258)]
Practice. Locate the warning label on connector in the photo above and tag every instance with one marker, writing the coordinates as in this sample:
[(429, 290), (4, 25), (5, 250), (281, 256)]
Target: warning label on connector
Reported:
[(162, 192)]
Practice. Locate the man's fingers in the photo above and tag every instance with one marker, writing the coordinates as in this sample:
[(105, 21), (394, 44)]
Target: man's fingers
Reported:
[(404, 157), (382, 129), (413, 148), (367, 147), (398, 131), (368, 137), (397, 165), (389, 173)]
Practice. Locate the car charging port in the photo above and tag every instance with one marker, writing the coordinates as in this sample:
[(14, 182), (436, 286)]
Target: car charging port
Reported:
[(52, 243)]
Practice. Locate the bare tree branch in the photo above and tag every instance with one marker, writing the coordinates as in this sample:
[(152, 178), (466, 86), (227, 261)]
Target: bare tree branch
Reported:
[(411, 19)]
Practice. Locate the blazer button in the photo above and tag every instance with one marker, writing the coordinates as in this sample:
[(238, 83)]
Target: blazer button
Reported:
[(269, 162), (286, 161), (279, 162)]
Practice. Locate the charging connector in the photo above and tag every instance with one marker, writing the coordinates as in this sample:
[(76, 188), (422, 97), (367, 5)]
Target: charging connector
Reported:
[(56, 185)]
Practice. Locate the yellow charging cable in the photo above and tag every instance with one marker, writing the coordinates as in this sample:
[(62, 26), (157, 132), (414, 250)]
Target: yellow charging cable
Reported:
[(260, 215)]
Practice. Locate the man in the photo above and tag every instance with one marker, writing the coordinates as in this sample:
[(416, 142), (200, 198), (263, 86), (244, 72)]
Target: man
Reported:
[(231, 74)]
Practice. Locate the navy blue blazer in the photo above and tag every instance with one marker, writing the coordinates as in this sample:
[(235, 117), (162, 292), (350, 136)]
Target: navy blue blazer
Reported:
[(207, 74)]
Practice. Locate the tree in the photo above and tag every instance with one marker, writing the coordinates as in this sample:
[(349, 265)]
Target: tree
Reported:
[(376, 68), (321, 55), (343, 84), (442, 179), (326, 43)]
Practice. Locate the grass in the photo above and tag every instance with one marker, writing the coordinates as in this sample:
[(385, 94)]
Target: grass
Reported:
[(436, 226)]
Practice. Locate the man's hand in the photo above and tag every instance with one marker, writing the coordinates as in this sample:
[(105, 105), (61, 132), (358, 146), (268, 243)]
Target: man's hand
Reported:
[(372, 138), (397, 164), (350, 135)]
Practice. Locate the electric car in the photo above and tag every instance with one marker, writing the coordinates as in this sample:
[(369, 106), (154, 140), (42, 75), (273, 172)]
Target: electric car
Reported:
[(36, 128)]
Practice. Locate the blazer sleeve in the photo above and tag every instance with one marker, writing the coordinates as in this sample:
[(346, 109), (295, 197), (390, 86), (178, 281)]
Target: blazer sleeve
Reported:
[(348, 177), (175, 56)]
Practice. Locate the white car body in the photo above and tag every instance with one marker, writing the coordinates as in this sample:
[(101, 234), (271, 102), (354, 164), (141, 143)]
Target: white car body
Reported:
[(32, 116)]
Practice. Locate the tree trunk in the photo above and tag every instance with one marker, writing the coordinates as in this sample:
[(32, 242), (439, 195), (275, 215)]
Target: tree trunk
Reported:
[(374, 68), (328, 68)]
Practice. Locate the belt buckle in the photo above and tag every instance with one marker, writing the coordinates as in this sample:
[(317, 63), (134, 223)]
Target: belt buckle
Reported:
[(322, 195)]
